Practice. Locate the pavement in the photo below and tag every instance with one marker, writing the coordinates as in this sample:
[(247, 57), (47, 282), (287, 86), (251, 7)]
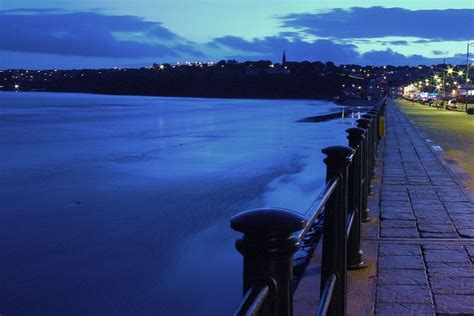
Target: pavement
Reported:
[(426, 228), (452, 130), (420, 242)]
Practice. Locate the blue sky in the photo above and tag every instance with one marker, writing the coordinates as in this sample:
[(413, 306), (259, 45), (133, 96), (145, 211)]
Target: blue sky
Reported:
[(108, 33)]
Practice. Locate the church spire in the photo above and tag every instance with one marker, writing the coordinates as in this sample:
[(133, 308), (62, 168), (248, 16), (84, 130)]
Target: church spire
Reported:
[(283, 60)]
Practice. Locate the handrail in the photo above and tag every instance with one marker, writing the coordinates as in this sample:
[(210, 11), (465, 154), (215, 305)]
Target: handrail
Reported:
[(271, 236), (253, 300), (350, 220), (326, 296), (318, 205)]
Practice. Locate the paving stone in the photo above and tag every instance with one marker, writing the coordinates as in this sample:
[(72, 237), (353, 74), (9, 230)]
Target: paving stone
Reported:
[(439, 235), (397, 309), (402, 277), (460, 198), (442, 246), (466, 232), (434, 228), (435, 220), (420, 190), (394, 209), (401, 262), (445, 256), (431, 207), (403, 294), (397, 224), (470, 251), (399, 216), (419, 181), (394, 188), (445, 285), (387, 181), (454, 304), (448, 191), (405, 204), (463, 224), (434, 216), (399, 232), (395, 197), (459, 207), (463, 218), (399, 250), (454, 271)]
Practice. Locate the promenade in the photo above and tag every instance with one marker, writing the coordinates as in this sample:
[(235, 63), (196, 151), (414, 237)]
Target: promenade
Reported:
[(422, 230), (420, 241)]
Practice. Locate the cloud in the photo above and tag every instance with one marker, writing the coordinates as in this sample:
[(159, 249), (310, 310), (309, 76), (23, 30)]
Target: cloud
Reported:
[(397, 43), (376, 22), (89, 34), (390, 57), (324, 50), (272, 47), (439, 52)]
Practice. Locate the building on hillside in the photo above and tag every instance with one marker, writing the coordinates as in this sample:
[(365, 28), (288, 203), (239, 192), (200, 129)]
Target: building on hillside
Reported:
[(460, 93)]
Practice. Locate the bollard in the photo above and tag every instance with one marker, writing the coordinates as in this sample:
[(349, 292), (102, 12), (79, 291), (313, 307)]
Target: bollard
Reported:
[(267, 247), (354, 252), (382, 121), (334, 260), (372, 135), (371, 149), (375, 113), (365, 124)]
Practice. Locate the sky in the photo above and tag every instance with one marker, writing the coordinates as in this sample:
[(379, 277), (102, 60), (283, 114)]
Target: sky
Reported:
[(122, 33)]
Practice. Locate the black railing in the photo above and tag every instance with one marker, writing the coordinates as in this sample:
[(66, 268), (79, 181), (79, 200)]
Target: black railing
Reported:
[(269, 240)]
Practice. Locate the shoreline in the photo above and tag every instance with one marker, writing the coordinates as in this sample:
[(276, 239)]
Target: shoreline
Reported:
[(163, 96)]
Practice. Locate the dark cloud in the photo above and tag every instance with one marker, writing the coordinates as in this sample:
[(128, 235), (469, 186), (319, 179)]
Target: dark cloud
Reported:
[(397, 43), (323, 50), (88, 34), (439, 52), (425, 41), (271, 47), (390, 57), (451, 24)]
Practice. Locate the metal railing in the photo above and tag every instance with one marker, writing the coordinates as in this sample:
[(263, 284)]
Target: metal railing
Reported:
[(269, 240)]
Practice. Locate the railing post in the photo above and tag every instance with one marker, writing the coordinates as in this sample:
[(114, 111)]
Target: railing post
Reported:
[(365, 124), (334, 260), (371, 150), (382, 119), (267, 247), (354, 252), (375, 113)]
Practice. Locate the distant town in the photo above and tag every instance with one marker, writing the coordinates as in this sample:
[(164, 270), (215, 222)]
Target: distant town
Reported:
[(252, 79)]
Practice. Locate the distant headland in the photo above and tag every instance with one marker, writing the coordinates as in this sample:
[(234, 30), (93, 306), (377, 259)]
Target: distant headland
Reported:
[(224, 79)]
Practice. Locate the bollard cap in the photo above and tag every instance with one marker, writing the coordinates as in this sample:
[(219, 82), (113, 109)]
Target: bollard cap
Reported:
[(338, 155), (267, 221), (355, 133), (364, 123)]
